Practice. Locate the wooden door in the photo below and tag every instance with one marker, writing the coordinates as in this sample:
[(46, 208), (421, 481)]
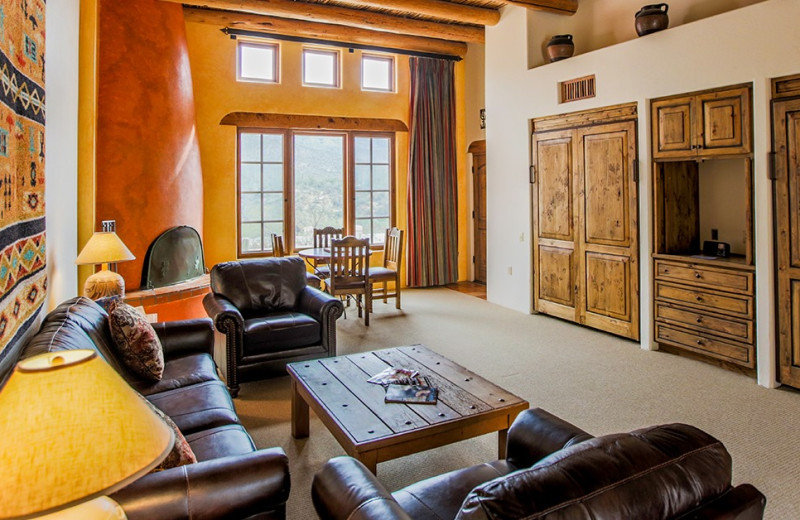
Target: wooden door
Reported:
[(723, 122), (478, 151), (608, 237), (555, 260), (672, 127), (786, 131)]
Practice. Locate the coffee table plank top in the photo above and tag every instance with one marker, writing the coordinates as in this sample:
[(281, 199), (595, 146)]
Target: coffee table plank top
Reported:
[(374, 431)]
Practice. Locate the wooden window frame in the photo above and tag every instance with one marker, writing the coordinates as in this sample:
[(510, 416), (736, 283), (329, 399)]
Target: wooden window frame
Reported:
[(348, 197), (276, 68), (337, 67), (392, 75)]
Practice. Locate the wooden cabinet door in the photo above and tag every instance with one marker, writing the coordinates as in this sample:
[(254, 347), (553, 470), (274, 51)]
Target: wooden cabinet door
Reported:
[(672, 128), (479, 212), (608, 236), (723, 122), (786, 121), (555, 261)]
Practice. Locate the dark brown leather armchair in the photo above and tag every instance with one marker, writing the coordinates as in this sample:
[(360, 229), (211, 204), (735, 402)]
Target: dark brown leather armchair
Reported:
[(554, 471), (269, 317)]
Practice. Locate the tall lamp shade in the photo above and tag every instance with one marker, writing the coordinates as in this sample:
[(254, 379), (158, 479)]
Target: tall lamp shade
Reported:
[(104, 248), (71, 431)]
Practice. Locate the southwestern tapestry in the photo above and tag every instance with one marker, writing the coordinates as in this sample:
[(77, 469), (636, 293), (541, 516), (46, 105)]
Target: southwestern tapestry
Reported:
[(23, 281)]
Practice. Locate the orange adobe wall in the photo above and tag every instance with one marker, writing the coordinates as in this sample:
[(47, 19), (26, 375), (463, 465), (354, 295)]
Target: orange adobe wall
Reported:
[(148, 174)]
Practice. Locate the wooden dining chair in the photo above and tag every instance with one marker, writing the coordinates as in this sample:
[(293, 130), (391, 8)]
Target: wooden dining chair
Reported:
[(349, 272), (279, 251), (390, 271), (322, 239)]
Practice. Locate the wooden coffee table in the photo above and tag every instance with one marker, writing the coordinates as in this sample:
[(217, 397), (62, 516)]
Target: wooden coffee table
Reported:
[(373, 431)]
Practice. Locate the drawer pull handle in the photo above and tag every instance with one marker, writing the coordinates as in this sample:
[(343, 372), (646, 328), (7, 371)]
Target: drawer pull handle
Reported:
[(697, 275), (666, 271), (700, 342), (699, 319), (699, 298)]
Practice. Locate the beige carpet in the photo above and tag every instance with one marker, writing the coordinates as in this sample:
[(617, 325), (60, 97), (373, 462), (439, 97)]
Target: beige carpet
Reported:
[(597, 381)]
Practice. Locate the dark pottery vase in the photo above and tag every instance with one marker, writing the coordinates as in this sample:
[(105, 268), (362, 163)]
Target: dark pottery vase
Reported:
[(652, 18), (560, 47)]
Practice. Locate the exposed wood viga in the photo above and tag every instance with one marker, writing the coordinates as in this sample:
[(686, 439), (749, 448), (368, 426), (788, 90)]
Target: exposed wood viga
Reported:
[(585, 223)]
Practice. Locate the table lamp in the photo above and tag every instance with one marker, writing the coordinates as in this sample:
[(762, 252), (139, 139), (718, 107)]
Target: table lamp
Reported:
[(71, 431), (103, 248)]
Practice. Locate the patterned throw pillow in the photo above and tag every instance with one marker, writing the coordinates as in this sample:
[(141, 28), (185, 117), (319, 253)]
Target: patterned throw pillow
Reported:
[(137, 342), (181, 453)]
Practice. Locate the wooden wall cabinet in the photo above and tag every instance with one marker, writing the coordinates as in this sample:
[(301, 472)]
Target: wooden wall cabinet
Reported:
[(702, 125), (703, 305), (585, 219)]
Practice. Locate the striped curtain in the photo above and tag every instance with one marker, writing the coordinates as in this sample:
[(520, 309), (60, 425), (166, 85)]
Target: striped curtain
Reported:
[(432, 190)]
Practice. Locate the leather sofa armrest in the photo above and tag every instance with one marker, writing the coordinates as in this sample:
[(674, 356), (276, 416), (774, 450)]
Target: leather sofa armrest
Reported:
[(179, 338), (345, 489), (744, 502), (233, 487), (225, 314), (318, 304), (537, 433)]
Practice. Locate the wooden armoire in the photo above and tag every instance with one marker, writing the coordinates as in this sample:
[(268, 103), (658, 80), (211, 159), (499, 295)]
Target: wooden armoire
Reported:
[(585, 218), (786, 145)]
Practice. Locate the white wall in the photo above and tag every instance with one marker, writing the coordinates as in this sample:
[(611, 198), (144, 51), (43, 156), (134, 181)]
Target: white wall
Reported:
[(751, 44), (61, 145)]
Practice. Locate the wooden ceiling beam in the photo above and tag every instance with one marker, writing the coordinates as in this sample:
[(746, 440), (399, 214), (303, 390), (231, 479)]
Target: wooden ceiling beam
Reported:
[(271, 120), (459, 13), (554, 6), (350, 18), (274, 25)]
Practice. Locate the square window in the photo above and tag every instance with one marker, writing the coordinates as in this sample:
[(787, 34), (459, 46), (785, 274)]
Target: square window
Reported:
[(258, 62), (377, 73), (320, 68)]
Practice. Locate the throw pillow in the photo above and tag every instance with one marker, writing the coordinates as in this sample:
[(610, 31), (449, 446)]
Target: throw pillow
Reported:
[(137, 342), (181, 453)]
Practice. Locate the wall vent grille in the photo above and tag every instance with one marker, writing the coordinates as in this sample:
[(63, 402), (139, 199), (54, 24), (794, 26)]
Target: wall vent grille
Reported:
[(580, 88)]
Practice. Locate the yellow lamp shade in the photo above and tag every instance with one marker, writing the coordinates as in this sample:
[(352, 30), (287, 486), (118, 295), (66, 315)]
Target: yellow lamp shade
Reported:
[(71, 429), (105, 247)]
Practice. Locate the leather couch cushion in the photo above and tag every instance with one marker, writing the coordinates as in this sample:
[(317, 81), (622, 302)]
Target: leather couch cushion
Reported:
[(258, 285), (179, 372), (611, 477), (197, 407), (136, 342), (441, 496), (280, 331), (222, 441)]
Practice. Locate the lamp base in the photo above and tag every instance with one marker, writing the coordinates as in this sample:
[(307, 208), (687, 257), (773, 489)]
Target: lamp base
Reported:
[(104, 283), (101, 508)]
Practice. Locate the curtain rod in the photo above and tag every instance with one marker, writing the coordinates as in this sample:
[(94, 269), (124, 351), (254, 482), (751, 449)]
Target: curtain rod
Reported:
[(233, 33)]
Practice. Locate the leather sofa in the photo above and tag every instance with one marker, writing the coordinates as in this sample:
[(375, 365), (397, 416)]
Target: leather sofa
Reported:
[(555, 470), (269, 316), (232, 479)]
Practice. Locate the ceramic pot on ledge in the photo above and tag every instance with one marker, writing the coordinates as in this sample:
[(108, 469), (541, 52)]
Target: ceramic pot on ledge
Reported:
[(560, 47), (652, 18)]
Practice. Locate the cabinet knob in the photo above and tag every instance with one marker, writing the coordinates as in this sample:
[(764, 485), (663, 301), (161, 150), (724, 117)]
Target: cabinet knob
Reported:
[(666, 271), (699, 319), (700, 342), (697, 275), (699, 298)]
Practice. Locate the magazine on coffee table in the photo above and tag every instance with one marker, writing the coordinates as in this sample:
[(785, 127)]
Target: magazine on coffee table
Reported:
[(413, 394), (399, 376)]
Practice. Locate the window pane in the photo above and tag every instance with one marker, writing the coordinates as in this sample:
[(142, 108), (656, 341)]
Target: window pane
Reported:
[(363, 204), (273, 148), (251, 237), (251, 177), (380, 177), (273, 206), (376, 73), (362, 176), (257, 61), (379, 226), (362, 150), (319, 67), (251, 207), (380, 203), (273, 177), (250, 147), (319, 184), (363, 228), (380, 150)]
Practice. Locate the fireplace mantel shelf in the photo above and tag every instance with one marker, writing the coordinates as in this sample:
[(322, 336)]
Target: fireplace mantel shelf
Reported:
[(179, 291)]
